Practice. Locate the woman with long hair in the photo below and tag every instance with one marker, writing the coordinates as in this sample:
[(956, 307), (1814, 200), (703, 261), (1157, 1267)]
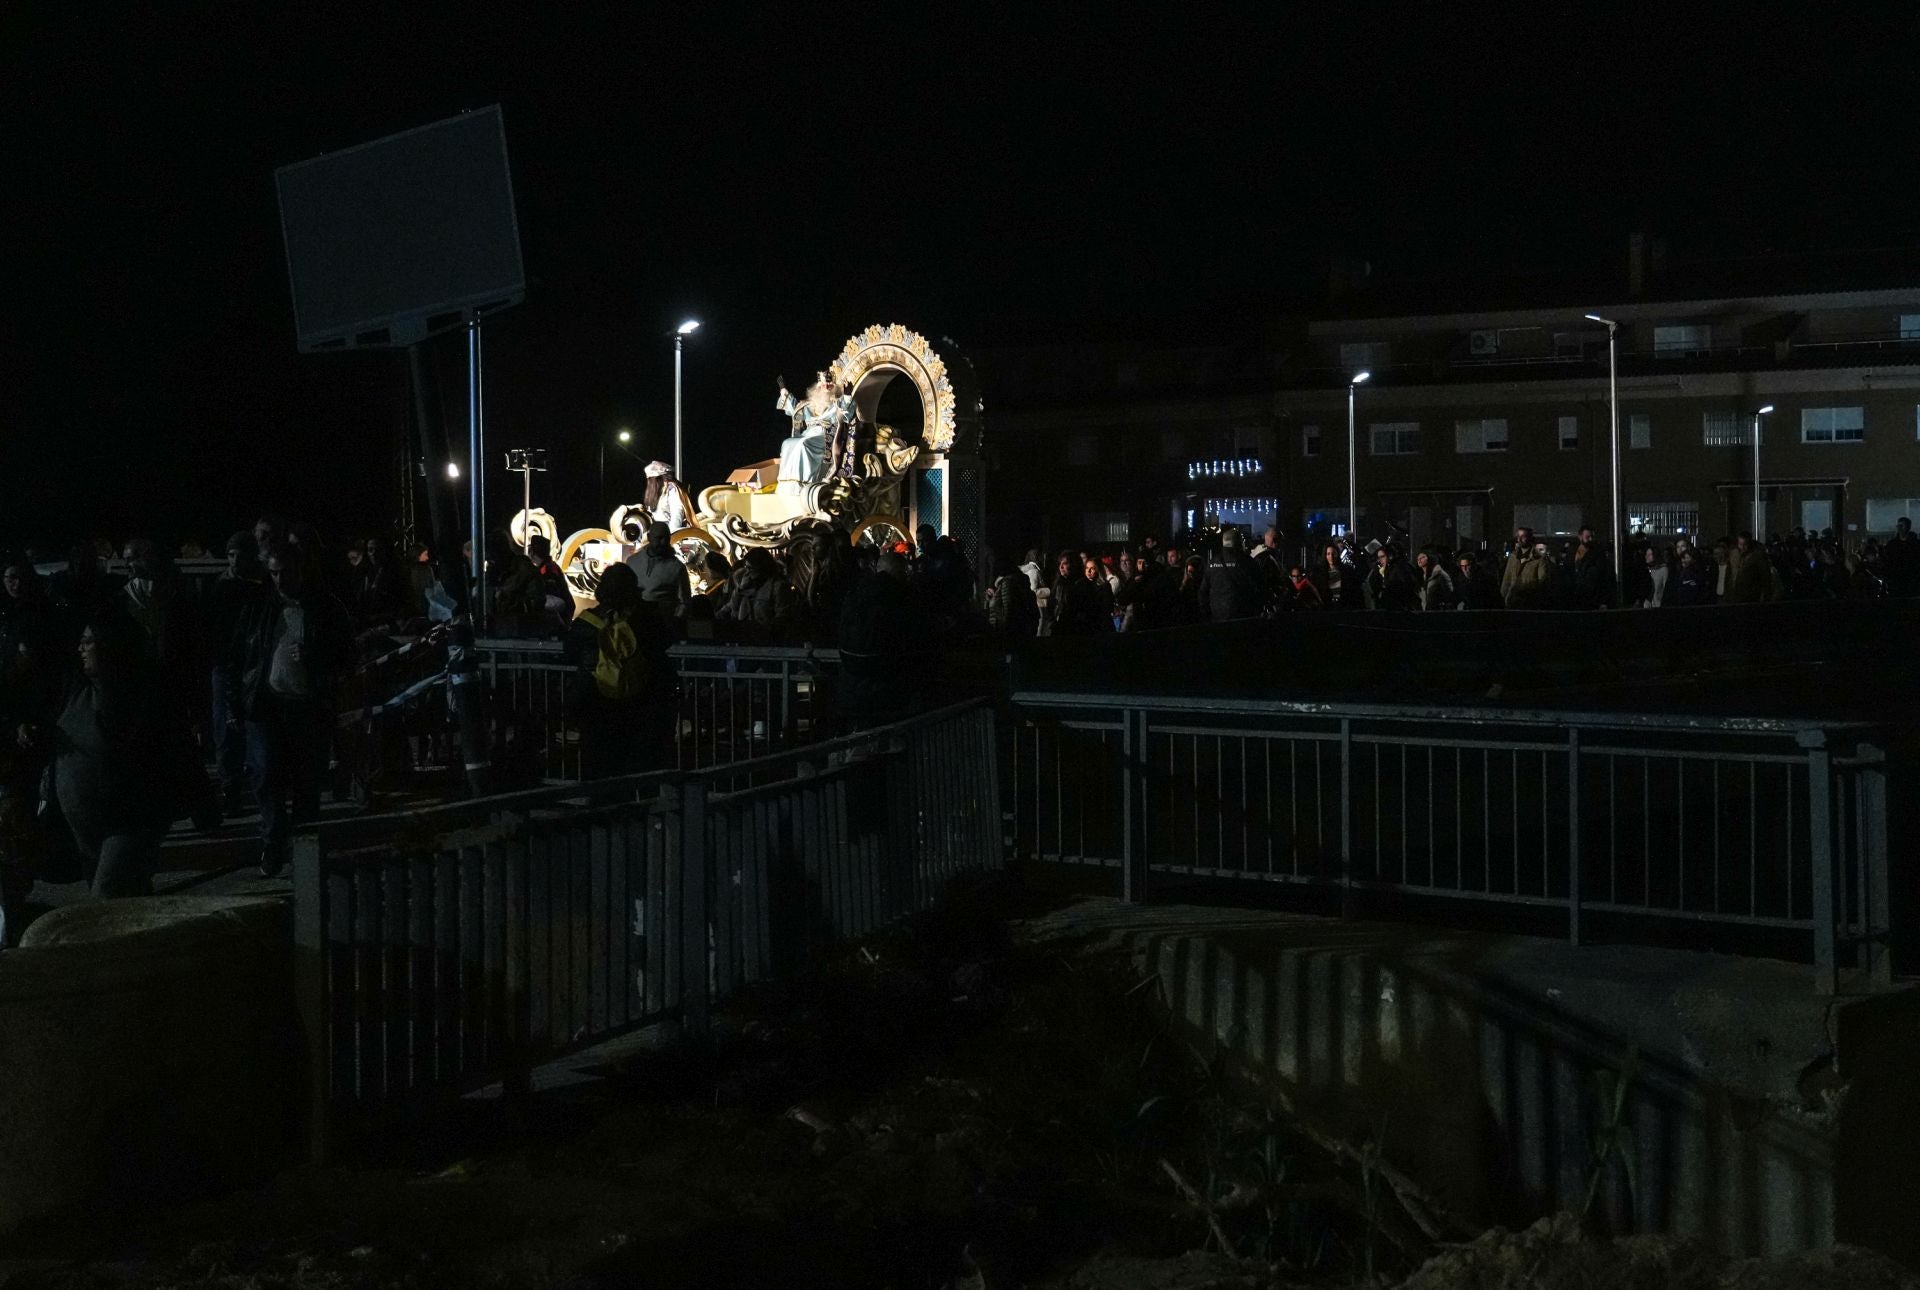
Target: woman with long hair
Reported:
[(665, 498)]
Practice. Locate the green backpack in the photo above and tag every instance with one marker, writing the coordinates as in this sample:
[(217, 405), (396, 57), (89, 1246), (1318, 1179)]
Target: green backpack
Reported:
[(619, 668)]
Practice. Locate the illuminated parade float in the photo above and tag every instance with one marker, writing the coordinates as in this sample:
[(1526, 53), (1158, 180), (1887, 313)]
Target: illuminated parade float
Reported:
[(840, 470)]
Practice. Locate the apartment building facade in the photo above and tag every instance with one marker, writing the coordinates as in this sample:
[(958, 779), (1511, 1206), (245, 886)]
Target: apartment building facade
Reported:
[(1471, 423)]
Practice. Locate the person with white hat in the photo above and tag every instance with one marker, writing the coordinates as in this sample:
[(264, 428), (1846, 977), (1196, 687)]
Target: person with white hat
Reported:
[(666, 499)]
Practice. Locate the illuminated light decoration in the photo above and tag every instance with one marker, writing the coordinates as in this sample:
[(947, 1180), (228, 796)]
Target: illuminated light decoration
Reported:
[(894, 348), (1236, 467)]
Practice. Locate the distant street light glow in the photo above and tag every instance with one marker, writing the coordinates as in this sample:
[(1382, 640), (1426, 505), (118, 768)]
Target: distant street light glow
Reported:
[(688, 327), (453, 470), (626, 436), (1361, 378)]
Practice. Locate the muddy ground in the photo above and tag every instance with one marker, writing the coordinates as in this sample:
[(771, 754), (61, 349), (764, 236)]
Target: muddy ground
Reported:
[(945, 1105)]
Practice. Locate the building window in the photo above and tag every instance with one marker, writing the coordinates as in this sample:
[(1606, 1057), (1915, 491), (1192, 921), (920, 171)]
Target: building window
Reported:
[(1663, 519), (1394, 438), (1321, 519), (1483, 343), (1725, 429), (1577, 344), (1833, 425), (1910, 326), (1640, 431), (1690, 338), (1884, 512), (1569, 433), (1309, 441), (1105, 526), (1486, 435), (1363, 356), (1083, 449), (1547, 519)]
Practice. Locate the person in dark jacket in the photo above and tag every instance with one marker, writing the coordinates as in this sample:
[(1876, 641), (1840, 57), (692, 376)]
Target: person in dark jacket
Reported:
[(1391, 585), (1475, 586), (229, 600), (886, 638), (759, 604), (1691, 582), (1230, 588), (1592, 577), (557, 596), (662, 579), (621, 694), (293, 647), (115, 747)]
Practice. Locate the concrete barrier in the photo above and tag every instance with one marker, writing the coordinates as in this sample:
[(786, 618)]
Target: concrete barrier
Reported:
[(1509, 1077), (147, 1048)]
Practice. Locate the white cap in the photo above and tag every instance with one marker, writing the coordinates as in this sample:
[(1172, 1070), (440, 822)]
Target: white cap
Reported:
[(658, 468)]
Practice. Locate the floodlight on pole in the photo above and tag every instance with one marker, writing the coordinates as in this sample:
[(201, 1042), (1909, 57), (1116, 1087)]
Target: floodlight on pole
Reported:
[(622, 437), (1759, 528), (680, 335), (453, 470), (1615, 529), (1354, 382)]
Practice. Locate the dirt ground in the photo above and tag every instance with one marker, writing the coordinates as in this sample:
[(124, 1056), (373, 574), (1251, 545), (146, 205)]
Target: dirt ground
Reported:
[(943, 1106)]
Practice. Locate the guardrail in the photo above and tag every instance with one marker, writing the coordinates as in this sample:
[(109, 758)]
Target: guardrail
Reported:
[(737, 702), (445, 949), (1775, 827)]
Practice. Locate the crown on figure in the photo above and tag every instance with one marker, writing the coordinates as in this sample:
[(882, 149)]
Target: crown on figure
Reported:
[(822, 378)]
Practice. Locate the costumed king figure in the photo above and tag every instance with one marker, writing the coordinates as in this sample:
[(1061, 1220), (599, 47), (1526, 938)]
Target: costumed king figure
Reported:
[(823, 431)]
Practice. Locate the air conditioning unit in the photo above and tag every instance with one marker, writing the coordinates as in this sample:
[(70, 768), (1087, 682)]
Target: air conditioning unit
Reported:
[(1483, 343)]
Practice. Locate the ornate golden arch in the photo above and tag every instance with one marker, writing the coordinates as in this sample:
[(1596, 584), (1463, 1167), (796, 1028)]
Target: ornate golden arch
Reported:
[(872, 359)]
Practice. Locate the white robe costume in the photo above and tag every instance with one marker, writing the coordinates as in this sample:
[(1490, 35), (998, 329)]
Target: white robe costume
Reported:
[(803, 456)]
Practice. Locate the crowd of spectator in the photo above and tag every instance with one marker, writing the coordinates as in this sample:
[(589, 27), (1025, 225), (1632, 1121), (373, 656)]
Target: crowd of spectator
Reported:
[(1215, 578)]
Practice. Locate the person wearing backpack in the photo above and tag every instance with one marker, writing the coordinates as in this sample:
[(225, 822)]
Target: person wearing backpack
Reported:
[(621, 693)]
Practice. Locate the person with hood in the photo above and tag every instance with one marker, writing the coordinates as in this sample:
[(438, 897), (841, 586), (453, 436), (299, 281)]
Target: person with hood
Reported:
[(661, 577)]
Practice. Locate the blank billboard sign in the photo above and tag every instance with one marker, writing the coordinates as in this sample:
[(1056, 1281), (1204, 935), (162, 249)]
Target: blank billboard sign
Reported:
[(403, 236)]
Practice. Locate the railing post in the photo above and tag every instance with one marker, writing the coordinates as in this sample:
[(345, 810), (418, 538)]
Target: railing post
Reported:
[(1573, 835), (515, 856), (1870, 832), (1346, 817), (695, 1003), (1135, 864), (1820, 857), (310, 986)]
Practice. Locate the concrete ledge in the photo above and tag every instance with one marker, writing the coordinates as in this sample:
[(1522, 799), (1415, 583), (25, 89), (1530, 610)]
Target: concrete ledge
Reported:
[(146, 1047), (1757, 1116)]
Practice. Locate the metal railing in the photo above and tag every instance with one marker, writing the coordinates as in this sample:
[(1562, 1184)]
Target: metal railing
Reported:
[(1772, 827), (445, 949), (737, 702)]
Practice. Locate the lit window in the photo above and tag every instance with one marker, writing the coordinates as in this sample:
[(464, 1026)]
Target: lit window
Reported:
[(1833, 425), (1884, 512), (1640, 431), (1910, 326), (1105, 526), (1725, 429), (1663, 519), (1569, 433), (1309, 441), (1394, 438), (1486, 435), (1688, 339)]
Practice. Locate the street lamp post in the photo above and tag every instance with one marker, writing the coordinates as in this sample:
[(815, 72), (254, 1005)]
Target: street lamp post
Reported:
[(680, 335), (1613, 419), (1353, 469), (1759, 533), (625, 437)]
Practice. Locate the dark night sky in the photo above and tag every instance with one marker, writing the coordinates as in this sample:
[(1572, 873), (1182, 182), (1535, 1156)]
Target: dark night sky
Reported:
[(788, 178)]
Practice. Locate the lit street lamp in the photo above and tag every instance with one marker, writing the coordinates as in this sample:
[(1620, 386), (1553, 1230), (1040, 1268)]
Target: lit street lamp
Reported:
[(1613, 416), (1759, 529), (1353, 472), (624, 437), (680, 335)]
